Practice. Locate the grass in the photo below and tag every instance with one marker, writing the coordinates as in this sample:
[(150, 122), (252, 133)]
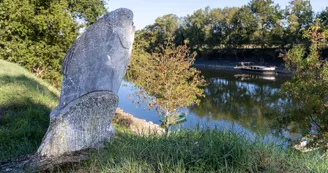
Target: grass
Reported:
[(25, 104), (197, 151)]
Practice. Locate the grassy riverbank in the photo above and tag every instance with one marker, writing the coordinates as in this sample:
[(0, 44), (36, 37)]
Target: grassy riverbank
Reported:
[(198, 151), (26, 101)]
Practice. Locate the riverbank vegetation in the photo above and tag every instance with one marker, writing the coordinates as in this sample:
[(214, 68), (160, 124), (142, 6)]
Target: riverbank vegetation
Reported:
[(198, 151), (27, 101), (307, 90), (167, 82)]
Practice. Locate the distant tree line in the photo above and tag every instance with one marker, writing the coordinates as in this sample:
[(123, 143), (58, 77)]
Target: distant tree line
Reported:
[(261, 24)]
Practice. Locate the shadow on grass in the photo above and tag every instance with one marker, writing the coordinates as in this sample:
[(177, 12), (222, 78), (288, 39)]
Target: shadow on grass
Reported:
[(24, 115), (22, 128)]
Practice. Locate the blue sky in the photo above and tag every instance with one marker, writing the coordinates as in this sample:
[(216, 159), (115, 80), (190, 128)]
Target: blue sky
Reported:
[(146, 11)]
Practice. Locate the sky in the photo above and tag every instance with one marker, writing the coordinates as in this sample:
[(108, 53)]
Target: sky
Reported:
[(146, 11)]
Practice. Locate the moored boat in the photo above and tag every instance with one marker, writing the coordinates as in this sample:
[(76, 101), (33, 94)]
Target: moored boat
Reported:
[(256, 68)]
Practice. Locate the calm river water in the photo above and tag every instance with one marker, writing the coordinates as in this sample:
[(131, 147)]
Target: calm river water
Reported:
[(234, 100)]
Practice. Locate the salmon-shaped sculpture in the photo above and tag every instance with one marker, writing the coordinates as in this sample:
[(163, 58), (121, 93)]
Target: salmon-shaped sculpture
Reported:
[(93, 70)]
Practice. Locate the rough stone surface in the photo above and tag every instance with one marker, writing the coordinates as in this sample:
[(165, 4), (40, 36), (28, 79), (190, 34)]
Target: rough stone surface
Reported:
[(93, 70), (97, 61), (82, 124)]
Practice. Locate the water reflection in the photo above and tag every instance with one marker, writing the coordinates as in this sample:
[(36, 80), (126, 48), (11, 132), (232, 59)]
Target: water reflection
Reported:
[(244, 76), (243, 101), (233, 101)]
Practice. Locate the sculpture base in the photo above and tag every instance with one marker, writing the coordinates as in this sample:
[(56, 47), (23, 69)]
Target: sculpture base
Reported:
[(81, 126), (36, 163), (85, 123)]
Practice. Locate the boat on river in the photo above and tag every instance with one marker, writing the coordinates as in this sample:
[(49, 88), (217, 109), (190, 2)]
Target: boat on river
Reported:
[(256, 68)]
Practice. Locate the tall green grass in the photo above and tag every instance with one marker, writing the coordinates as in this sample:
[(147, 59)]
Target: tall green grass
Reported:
[(25, 104), (198, 151)]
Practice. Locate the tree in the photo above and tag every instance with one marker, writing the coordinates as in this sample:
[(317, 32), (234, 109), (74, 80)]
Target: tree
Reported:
[(323, 16), (197, 28), (245, 25), (168, 79), (259, 24), (166, 27), (308, 88), (37, 34), (299, 15), (140, 56), (88, 10), (268, 16), (217, 35), (228, 26)]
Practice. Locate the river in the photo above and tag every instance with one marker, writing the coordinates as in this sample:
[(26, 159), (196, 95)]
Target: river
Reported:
[(235, 100)]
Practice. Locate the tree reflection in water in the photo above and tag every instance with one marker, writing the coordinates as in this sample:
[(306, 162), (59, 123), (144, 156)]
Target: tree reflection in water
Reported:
[(244, 99), (252, 101)]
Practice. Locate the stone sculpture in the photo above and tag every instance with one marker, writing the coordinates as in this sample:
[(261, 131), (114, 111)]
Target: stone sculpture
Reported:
[(93, 70)]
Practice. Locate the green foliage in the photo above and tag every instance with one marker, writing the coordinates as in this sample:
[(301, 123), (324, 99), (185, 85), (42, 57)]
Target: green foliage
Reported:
[(167, 76), (164, 29), (268, 16), (37, 34), (88, 10), (257, 25), (323, 16), (197, 29), (245, 25), (309, 86), (299, 15)]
